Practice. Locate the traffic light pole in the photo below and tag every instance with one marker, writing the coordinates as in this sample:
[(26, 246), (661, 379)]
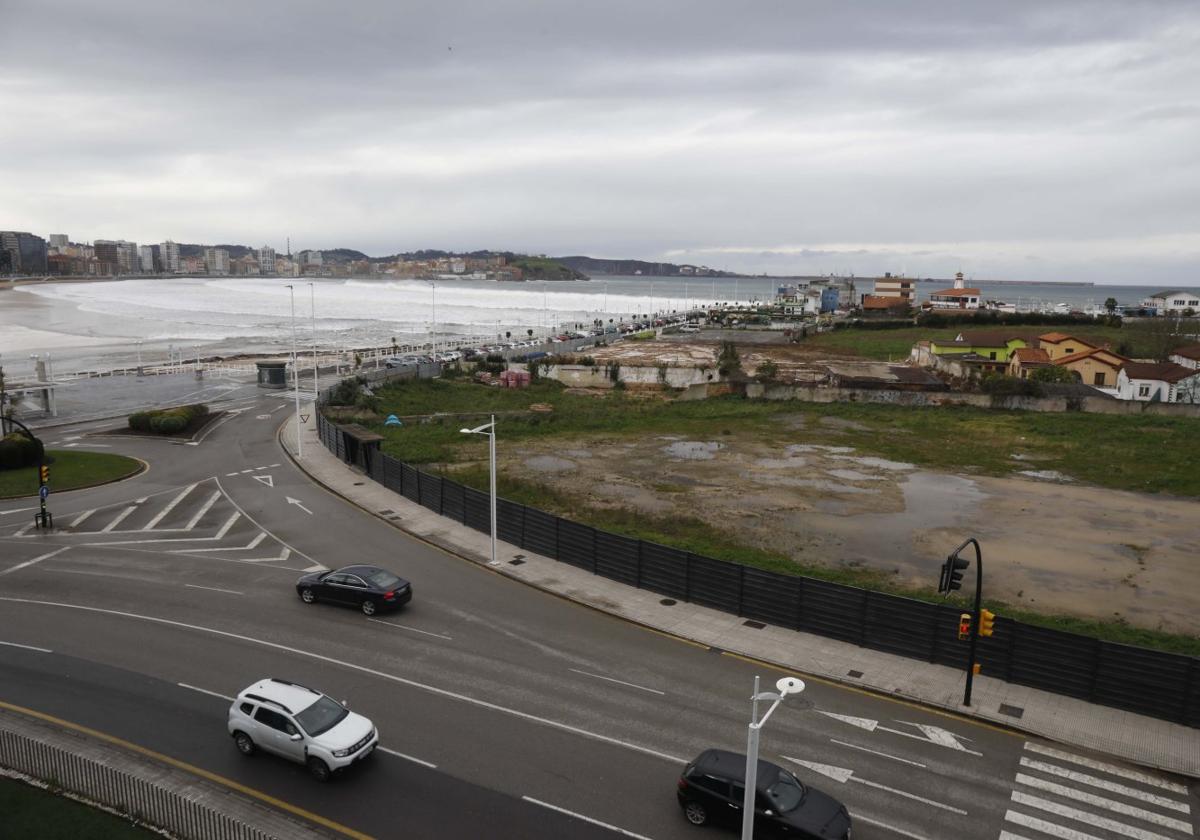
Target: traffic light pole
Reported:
[(43, 518), (977, 616)]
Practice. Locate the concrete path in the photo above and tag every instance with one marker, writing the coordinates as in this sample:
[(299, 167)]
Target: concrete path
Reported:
[(1144, 740)]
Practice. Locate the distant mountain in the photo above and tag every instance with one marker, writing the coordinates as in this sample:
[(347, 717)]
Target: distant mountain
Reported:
[(593, 266), (338, 255), (544, 268)]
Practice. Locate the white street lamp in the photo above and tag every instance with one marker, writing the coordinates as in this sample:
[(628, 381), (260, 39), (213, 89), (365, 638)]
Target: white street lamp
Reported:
[(139, 352), (312, 300), (489, 429), (785, 686), (296, 375), (433, 304)]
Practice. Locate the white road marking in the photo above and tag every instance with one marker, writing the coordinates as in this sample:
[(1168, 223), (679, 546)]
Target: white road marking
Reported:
[(213, 589), (253, 543), (1045, 827), (1085, 817), (34, 560), (428, 764), (212, 500), (1101, 802), (21, 532), (586, 819), (246, 471), (284, 553), (27, 647), (1105, 784), (256, 469), (229, 499), (17, 510), (273, 465), (224, 529), (618, 682), (227, 475), (120, 518), (935, 735), (170, 507), (888, 827), (316, 567), (298, 504), (265, 479), (843, 774), (81, 517), (1008, 835), (206, 691), (273, 410), (413, 629), (876, 752), (432, 689), (1113, 769)]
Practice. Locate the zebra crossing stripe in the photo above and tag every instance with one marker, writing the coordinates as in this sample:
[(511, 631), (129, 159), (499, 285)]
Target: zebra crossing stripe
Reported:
[(170, 507), (120, 518), (1101, 802), (81, 517), (1008, 835), (1105, 784), (1050, 828), (212, 500), (1123, 772), (1085, 817)]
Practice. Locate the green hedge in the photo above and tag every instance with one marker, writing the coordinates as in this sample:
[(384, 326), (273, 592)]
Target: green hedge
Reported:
[(167, 421), (17, 451)]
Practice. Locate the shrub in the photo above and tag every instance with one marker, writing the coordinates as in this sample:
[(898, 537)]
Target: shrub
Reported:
[(17, 450), (767, 371), (167, 421), (999, 385), (139, 421)]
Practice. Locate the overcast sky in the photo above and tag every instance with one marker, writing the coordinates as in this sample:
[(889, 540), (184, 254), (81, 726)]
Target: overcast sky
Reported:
[(1040, 140)]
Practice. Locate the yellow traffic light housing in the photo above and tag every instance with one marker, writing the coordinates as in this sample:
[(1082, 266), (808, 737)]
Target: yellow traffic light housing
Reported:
[(44, 474), (986, 619)]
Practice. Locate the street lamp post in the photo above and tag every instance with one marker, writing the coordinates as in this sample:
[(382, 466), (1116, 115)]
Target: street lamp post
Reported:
[(139, 352), (489, 429), (312, 300), (785, 686), (296, 375)]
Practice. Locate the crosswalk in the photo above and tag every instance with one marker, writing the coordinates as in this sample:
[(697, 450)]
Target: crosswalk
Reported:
[(1074, 797)]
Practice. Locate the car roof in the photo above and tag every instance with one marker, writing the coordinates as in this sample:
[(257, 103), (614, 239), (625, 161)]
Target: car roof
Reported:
[(732, 766), (292, 696), (362, 570)]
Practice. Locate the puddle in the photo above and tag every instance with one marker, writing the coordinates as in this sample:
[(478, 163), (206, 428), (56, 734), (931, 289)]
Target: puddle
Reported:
[(550, 464), (819, 484), (839, 423), (815, 447), (877, 463), (1046, 475), (853, 475), (780, 463), (694, 450), (577, 453)]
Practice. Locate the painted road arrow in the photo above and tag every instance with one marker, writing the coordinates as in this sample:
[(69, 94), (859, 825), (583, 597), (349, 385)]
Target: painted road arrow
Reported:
[(270, 482), (929, 734), (844, 774), (298, 504)]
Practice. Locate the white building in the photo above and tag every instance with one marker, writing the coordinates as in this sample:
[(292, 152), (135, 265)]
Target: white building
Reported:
[(216, 261), (168, 254), (127, 257), (1188, 356), (1173, 302), (896, 287), (959, 297), (266, 260), (146, 258), (1158, 382), (59, 240)]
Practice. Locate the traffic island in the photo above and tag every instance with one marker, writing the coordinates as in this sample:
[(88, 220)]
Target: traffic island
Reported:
[(70, 470)]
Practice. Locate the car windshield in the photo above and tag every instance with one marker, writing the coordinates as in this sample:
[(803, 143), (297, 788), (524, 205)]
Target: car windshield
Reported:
[(785, 794), (321, 716), (384, 580)]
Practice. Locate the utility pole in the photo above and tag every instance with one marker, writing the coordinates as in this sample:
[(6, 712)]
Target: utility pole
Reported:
[(296, 376)]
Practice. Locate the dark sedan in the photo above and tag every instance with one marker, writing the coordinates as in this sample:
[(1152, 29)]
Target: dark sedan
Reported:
[(368, 588)]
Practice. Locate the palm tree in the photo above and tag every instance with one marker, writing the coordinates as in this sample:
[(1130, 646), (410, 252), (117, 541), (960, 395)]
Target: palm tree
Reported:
[(1111, 305)]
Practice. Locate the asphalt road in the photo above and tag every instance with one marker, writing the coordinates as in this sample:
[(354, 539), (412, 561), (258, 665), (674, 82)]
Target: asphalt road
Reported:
[(506, 711)]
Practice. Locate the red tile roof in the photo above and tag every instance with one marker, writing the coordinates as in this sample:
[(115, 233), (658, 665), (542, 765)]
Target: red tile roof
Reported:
[(1188, 351), (881, 302), (1159, 371), (956, 293), (1083, 354), (1031, 355), (1059, 338)]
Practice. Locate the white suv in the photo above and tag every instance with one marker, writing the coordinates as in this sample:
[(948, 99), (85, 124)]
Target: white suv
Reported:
[(301, 725)]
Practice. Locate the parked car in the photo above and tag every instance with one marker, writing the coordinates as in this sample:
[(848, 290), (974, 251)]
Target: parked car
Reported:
[(712, 788), (300, 724), (398, 362), (368, 588)]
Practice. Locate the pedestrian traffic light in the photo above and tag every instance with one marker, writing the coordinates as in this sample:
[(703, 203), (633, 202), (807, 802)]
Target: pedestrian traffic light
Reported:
[(951, 578), (986, 619), (964, 626), (44, 474)]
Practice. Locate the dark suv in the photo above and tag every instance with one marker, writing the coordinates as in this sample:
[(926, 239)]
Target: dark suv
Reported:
[(712, 789)]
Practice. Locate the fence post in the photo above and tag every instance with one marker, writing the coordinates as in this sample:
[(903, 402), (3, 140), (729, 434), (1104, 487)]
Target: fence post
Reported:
[(595, 559), (799, 623), (935, 642), (1185, 710), (741, 589), (862, 622), (639, 564)]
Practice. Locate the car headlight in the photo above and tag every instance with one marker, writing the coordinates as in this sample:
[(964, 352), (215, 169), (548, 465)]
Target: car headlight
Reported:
[(343, 753)]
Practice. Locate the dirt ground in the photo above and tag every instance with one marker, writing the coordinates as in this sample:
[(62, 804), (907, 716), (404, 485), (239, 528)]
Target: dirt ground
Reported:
[(1048, 544)]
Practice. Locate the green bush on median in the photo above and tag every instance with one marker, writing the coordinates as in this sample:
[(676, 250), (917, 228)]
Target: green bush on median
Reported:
[(167, 421)]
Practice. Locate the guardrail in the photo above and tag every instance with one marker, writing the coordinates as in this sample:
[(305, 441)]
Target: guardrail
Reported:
[(1149, 682)]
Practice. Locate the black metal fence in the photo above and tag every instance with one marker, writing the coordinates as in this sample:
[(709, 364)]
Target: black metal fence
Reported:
[(1162, 685)]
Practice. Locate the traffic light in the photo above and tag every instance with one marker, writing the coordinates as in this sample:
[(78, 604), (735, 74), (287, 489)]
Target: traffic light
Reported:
[(986, 619), (964, 626), (44, 474), (951, 578)]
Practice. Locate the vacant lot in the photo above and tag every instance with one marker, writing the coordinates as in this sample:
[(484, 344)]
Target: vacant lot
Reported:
[(896, 344), (873, 495)]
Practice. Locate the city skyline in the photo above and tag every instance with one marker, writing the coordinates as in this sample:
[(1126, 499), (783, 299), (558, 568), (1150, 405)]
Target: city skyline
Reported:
[(1028, 142)]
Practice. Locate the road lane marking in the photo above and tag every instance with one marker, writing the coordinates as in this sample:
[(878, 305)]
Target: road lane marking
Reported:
[(1113, 769), (81, 517), (170, 507), (252, 544), (1101, 802), (16, 510), (213, 589), (212, 500), (844, 774), (34, 560), (206, 691), (1085, 817), (27, 647), (284, 553), (618, 682), (298, 504), (929, 734), (228, 524), (1105, 784), (876, 752), (423, 763), (1046, 827), (889, 827), (432, 689), (1008, 835), (120, 518), (264, 479), (194, 770), (413, 629), (586, 819), (228, 475), (246, 471), (258, 524)]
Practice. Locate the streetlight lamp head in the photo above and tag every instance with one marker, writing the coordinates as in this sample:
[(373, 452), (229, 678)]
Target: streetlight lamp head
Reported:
[(465, 431), (789, 685)]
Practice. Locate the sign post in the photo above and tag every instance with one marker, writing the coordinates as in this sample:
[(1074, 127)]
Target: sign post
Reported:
[(43, 519)]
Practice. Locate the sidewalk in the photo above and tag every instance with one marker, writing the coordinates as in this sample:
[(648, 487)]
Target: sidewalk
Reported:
[(1144, 740)]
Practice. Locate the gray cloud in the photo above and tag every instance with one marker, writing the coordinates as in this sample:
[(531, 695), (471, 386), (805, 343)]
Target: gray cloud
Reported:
[(1018, 140)]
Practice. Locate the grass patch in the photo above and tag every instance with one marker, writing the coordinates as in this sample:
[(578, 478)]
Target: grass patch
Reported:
[(33, 812), (71, 470), (897, 344)]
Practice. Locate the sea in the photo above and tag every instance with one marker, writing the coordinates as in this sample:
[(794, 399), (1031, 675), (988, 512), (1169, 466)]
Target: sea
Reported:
[(90, 325)]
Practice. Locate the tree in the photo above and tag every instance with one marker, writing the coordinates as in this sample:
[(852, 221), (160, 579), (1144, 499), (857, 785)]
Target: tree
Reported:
[(1156, 337), (728, 359), (767, 371), (1111, 305), (529, 333), (1054, 373)]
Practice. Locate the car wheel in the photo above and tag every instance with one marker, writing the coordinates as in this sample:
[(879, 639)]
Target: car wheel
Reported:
[(319, 769), (308, 596), (368, 607), (244, 744), (695, 813)]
